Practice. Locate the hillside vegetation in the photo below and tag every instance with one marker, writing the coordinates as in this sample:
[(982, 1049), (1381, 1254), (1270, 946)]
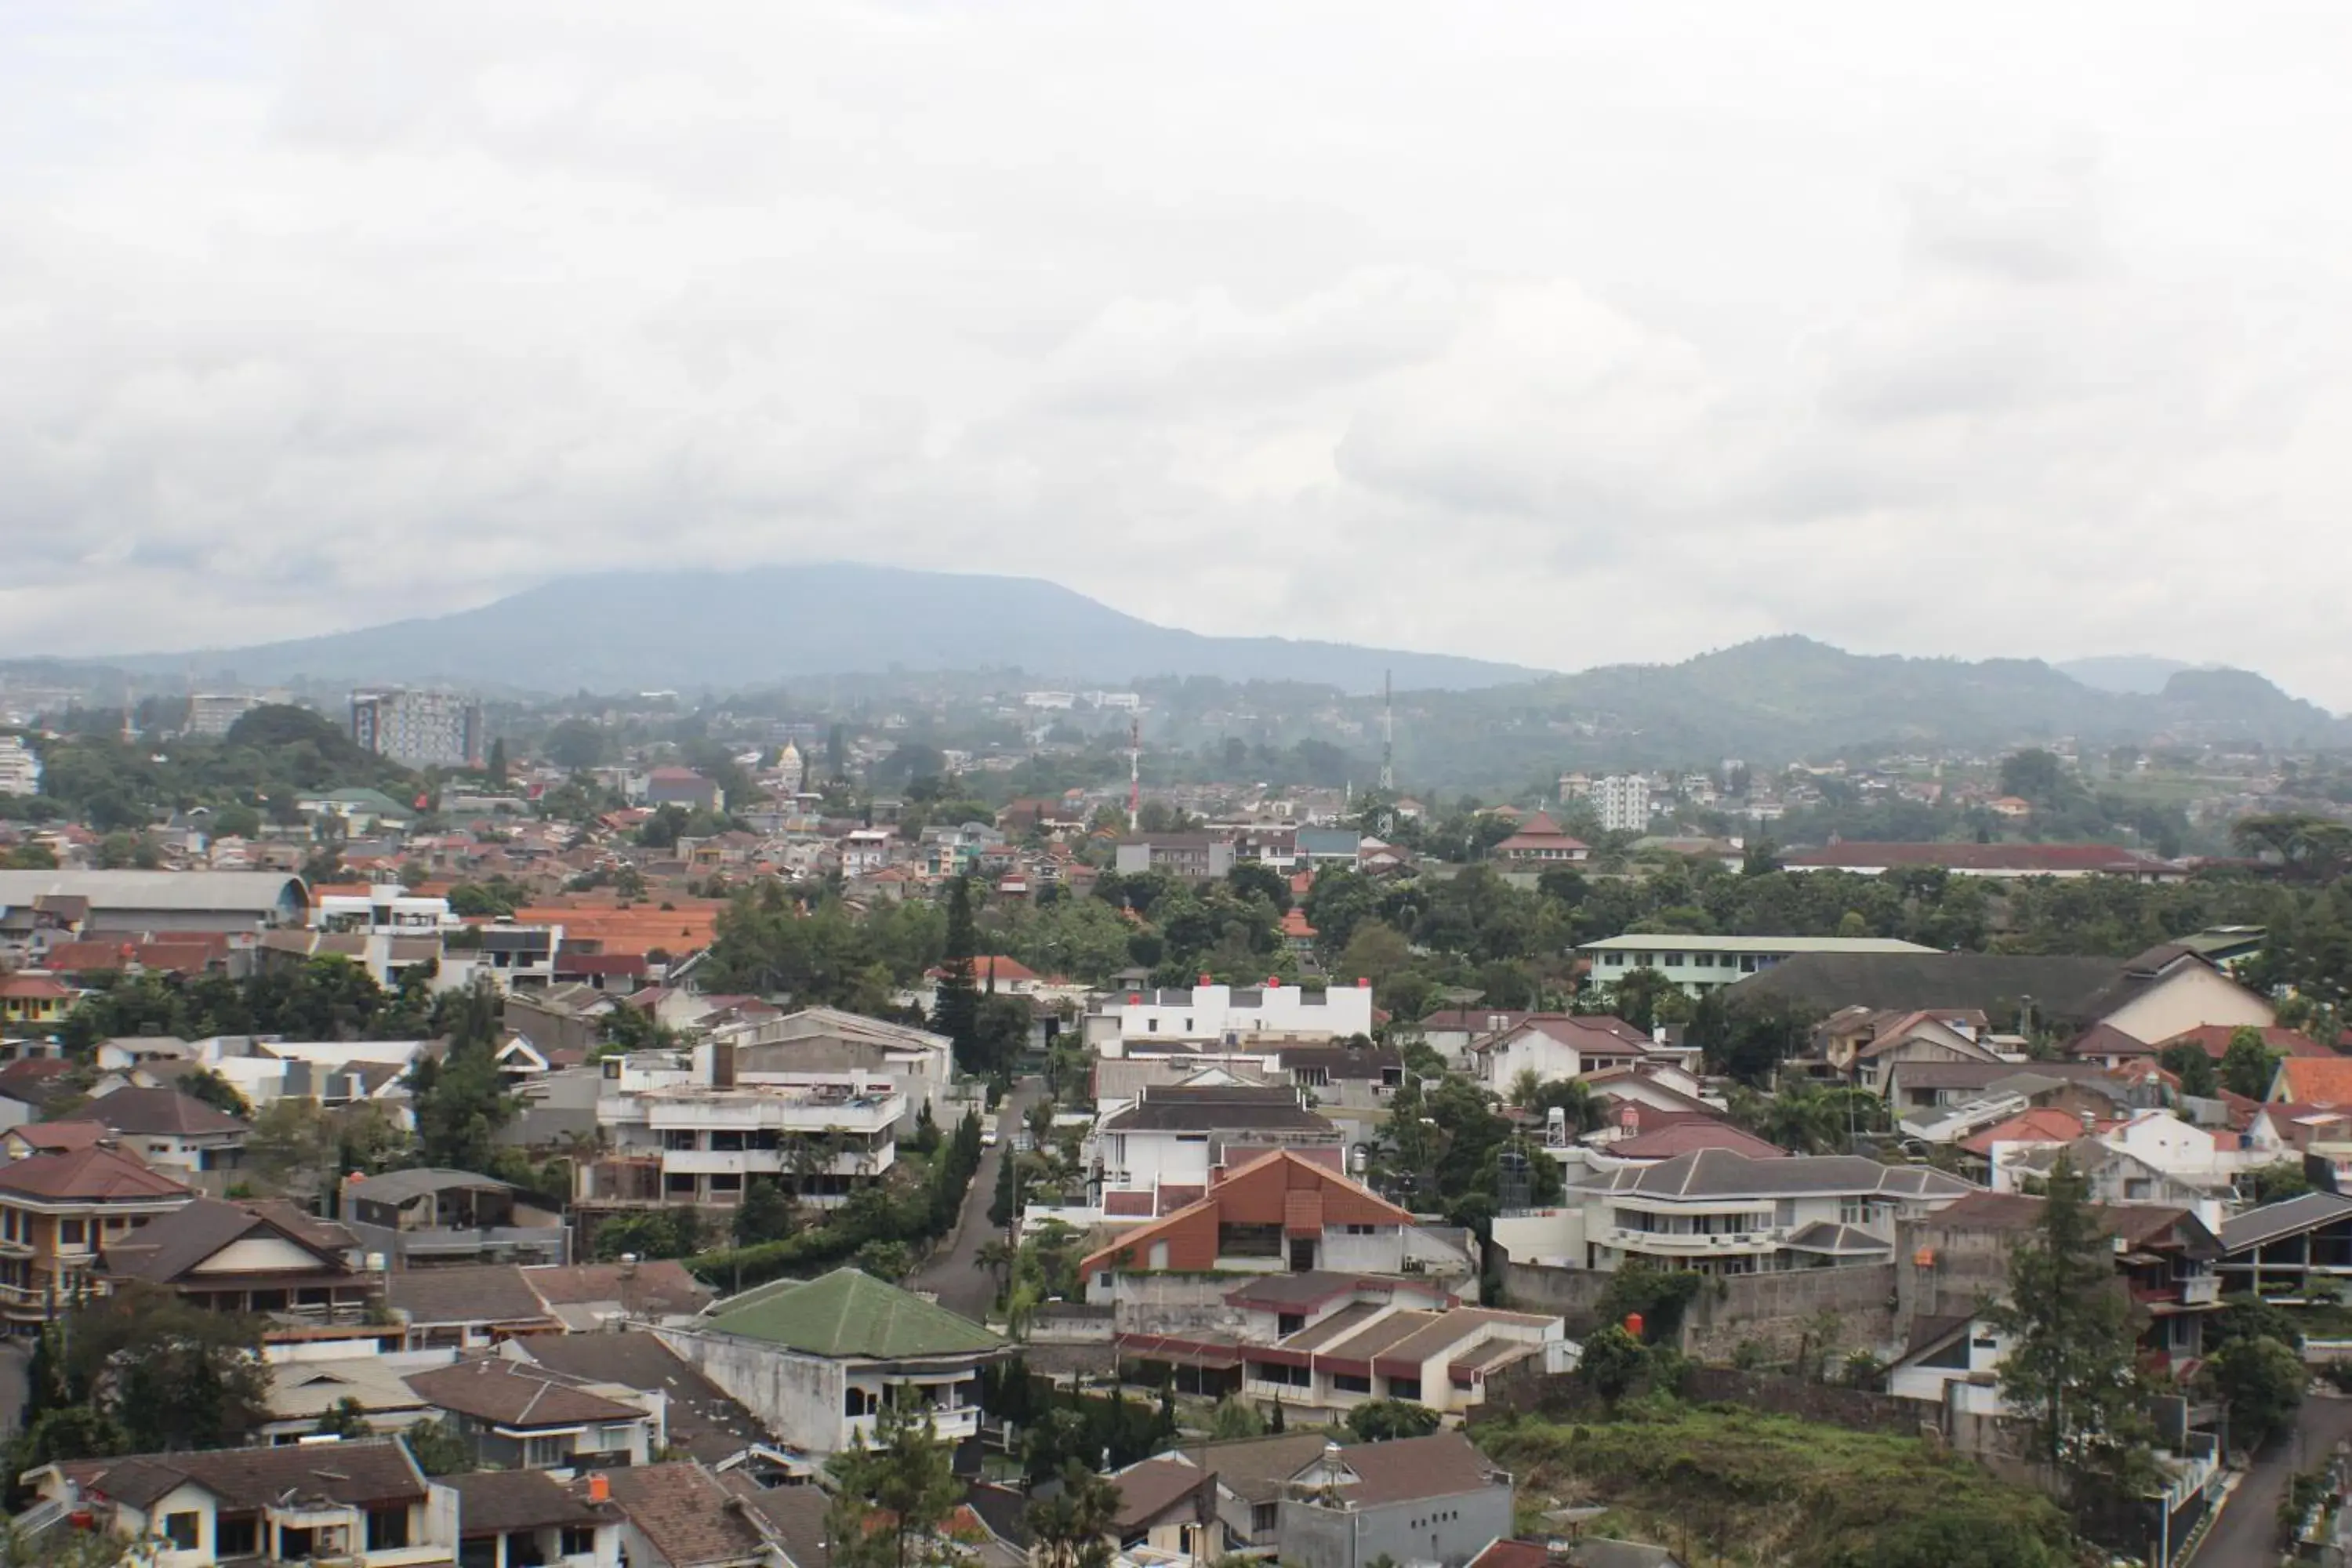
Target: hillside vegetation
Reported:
[(1769, 1492)]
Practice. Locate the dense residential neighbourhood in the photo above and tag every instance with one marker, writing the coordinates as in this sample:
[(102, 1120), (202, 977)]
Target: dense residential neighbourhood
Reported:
[(630, 1148)]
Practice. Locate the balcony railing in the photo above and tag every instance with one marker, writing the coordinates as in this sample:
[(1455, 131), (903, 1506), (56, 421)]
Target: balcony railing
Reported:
[(1684, 1241)]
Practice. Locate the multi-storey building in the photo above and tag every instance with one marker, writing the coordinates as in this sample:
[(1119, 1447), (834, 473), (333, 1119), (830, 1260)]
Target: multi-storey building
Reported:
[(1700, 963), (57, 1213), (676, 1138), (418, 727), (1623, 802), (1189, 857), (20, 770), (215, 713)]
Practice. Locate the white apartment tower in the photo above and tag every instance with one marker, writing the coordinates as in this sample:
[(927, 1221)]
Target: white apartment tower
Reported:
[(20, 770), (418, 728), (1623, 802)]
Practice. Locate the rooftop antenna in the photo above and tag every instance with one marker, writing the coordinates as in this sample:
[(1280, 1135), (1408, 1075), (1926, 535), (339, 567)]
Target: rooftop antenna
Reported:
[(1135, 775)]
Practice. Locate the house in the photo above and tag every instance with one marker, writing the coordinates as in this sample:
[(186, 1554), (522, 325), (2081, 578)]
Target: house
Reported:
[(57, 1212), (681, 786), (1281, 1212), (1321, 1342), (699, 1419), (2312, 1080), (1952, 1262), (304, 1393), (1168, 1506), (679, 1515), (170, 1130), (815, 1359), (2293, 1252), (1557, 1046), (364, 1502), (30, 1002), (1539, 845), (673, 1136), (466, 1306), (817, 1046), (1713, 1211), (38, 908), (1434, 1500), (1702, 964), (516, 1416), (1450, 1031), (1344, 1078), (1229, 1015), (425, 1216), (2153, 995), (52, 1137), (528, 1519), (1164, 1148), (263, 1256)]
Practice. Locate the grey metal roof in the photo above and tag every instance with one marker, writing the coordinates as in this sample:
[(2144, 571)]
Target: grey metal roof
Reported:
[(1720, 1173), (399, 1187), (2305, 1211), (258, 893), (1838, 1241), (1177, 1109)]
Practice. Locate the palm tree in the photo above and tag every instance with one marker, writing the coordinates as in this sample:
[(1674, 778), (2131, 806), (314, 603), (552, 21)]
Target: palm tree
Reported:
[(997, 1257)]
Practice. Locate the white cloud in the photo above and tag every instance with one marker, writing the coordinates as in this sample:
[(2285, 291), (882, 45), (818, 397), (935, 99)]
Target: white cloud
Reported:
[(1558, 335)]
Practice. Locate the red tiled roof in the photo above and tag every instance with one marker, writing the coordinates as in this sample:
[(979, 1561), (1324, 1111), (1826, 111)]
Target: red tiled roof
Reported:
[(2317, 1080), (1691, 1134), (2041, 1124), (33, 988)]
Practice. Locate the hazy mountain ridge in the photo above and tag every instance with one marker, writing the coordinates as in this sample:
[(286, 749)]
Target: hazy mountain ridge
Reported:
[(697, 630), (1774, 697)]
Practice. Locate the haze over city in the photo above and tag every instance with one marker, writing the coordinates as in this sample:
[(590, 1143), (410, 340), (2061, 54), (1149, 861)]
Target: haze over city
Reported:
[(1553, 336)]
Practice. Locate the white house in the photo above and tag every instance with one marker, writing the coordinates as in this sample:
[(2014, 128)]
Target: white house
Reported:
[(1718, 1212), (1700, 963), (1228, 1015), (1555, 1046), (1164, 1148), (817, 1360), (367, 1504)]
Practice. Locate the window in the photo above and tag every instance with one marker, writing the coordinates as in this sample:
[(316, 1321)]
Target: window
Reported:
[(387, 1529), (1151, 1025), (1404, 1388), (546, 1453), (70, 1232), (1674, 961), (1287, 1324), (1341, 1383), (579, 1540), (1265, 1518), (182, 1529), (1363, 1230), (236, 1537)]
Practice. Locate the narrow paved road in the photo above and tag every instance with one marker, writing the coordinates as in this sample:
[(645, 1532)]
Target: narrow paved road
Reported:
[(950, 1274), (2242, 1537)]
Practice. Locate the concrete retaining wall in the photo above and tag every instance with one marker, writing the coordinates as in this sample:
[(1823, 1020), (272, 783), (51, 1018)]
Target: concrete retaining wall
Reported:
[(1777, 1311)]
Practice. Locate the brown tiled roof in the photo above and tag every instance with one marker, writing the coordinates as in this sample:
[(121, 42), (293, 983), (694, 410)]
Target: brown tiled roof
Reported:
[(1150, 1489), (1442, 1464), (61, 1137), (491, 1503), (1258, 1469), (660, 1284), (160, 1113), (348, 1473), (683, 1514), (700, 1417), (797, 1514), (512, 1394), (92, 1174), (163, 1253), (474, 1293)]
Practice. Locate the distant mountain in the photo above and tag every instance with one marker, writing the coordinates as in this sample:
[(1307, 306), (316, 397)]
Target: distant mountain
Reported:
[(1791, 697), (2133, 674), (732, 630)]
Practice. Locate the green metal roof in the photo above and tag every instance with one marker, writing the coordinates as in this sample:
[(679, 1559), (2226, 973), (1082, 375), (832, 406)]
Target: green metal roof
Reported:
[(848, 1314)]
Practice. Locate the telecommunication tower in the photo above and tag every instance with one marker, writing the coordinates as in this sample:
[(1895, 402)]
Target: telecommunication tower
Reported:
[(1388, 757)]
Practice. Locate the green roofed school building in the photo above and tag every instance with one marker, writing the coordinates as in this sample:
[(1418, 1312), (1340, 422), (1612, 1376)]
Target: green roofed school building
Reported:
[(817, 1360)]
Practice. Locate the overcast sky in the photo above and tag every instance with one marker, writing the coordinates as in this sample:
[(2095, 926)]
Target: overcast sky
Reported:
[(1562, 333)]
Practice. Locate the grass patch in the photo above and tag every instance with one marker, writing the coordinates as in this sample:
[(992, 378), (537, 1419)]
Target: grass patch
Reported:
[(1772, 1491)]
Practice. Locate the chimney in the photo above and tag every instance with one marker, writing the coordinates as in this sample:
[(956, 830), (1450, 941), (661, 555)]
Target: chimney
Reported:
[(722, 1064), (628, 1265)]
